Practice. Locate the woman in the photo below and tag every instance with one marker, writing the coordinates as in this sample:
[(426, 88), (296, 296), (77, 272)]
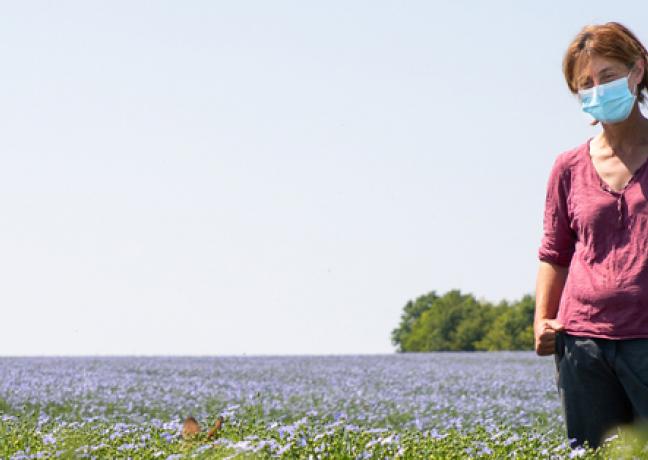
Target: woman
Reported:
[(592, 284)]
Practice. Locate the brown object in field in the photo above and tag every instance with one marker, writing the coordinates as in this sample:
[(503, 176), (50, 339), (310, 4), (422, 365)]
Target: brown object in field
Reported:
[(190, 427), (217, 426)]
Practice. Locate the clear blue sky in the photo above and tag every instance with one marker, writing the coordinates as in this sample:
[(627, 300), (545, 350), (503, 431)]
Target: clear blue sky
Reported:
[(272, 177)]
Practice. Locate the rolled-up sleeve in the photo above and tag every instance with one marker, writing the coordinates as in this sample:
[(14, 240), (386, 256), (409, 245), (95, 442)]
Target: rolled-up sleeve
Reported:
[(559, 239)]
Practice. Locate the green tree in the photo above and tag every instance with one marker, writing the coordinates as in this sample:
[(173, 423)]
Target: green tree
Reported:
[(457, 321), (512, 329), (476, 322), (411, 313), (438, 328)]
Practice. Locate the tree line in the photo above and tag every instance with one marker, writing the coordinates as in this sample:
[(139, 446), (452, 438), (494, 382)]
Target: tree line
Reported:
[(459, 322)]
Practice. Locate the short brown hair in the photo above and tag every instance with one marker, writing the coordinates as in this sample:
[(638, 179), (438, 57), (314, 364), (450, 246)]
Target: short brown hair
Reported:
[(611, 40)]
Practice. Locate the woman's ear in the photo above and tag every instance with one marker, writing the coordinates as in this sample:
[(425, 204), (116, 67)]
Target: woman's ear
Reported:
[(640, 65)]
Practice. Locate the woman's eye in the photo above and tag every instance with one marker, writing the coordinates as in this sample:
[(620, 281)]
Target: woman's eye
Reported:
[(602, 81)]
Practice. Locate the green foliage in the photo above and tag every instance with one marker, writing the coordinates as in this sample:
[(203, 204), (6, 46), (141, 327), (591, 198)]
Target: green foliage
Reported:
[(317, 438), (411, 314), (459, 322)]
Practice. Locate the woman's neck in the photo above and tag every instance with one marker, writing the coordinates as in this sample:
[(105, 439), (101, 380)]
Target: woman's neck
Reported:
[(627, 137)]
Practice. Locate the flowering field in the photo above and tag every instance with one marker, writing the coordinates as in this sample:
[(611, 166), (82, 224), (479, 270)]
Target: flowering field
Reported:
[(416, 405)]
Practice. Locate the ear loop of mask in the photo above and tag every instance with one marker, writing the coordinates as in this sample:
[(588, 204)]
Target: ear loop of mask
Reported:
[(636, 91), (643, 106)]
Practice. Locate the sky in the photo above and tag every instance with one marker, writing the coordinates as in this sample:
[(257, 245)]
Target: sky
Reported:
[(272, 178)]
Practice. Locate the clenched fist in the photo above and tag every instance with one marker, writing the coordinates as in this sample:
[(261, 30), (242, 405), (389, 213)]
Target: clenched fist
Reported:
[(545, 336)]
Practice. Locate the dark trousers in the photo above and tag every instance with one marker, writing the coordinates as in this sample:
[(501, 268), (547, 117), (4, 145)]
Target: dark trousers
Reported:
[(602, 384)]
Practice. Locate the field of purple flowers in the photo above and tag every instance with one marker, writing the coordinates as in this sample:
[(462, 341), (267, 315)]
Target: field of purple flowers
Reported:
[(415, 405)]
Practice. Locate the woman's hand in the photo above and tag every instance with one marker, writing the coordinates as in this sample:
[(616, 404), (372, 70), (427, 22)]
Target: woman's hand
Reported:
[(545, 336)]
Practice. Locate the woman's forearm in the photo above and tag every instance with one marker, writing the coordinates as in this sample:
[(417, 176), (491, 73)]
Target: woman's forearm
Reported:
[(549, 286)]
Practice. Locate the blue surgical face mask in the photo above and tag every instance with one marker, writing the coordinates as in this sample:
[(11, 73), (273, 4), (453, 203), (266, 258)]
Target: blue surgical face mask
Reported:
[(610, 102)]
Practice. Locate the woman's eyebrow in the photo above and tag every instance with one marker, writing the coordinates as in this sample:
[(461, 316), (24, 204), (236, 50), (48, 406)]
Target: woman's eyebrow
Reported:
[(605, 69)]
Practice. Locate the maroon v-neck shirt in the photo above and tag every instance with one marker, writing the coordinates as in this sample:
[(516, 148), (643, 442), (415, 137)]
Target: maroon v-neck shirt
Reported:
[(602, 236)]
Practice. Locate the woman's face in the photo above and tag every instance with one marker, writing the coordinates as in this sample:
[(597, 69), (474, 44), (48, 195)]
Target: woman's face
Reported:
[(599, 70)]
